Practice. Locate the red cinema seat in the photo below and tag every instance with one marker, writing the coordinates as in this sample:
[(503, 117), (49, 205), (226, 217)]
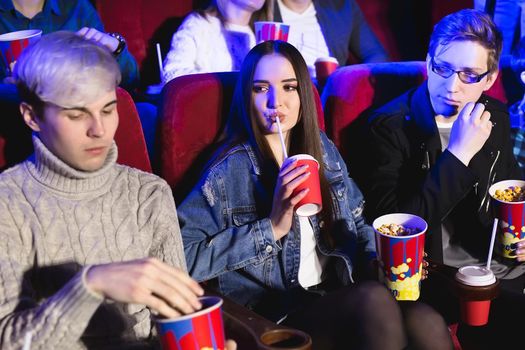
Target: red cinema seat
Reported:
[(193, 113), (352, 92), (144, 23), (137, 20)]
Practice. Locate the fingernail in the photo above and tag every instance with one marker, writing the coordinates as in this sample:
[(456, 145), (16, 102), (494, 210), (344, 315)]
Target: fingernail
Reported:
[(520, 244)]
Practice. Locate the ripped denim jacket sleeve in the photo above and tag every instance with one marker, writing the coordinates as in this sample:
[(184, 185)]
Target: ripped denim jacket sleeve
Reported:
[(219, 238)]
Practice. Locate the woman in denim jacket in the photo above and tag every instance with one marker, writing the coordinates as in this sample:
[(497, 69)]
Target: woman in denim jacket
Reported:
[(241, 234)]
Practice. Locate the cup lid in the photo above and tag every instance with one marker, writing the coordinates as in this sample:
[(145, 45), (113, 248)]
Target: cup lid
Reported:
[(327, 59), (475, 276)]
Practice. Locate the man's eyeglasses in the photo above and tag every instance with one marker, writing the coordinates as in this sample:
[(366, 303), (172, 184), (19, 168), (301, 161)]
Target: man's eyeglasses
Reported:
[(465, 76)]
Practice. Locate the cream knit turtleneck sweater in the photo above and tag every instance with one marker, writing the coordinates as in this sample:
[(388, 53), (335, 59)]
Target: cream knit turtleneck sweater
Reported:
[(54, 220)]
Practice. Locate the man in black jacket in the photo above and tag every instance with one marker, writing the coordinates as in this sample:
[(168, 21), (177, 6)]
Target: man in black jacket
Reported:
[(438, 148)]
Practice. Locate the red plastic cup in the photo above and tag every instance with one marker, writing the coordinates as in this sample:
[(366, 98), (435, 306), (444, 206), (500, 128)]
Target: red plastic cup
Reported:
[(12, 44), (203, 329), (324, 66), (312, 203), (511, 217), (265, 31), (476, 286), (401, 257)]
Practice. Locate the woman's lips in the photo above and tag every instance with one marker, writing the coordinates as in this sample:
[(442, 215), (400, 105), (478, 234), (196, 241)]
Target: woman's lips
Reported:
[(272, 117)]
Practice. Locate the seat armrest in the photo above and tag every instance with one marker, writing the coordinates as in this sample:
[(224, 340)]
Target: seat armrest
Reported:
[(449, 272), (252, 331)]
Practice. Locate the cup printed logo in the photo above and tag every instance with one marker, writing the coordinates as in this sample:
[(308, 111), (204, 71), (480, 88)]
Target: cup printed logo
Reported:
[(402, 264), (204, 332), (512, 226), (12, 50), (270, 31)]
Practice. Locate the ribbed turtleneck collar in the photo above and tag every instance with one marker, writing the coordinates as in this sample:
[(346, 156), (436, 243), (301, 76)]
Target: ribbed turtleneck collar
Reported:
[(49, 170)]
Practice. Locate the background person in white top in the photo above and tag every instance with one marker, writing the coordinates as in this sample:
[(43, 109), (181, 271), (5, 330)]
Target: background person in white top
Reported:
[(216, 39), (321, 28)]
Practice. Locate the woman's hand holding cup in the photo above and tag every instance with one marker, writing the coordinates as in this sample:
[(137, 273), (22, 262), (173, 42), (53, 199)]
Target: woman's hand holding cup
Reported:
[(290, 176)]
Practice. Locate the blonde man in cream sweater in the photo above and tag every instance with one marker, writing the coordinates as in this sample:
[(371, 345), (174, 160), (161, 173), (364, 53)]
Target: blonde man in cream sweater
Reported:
[(88, 247)]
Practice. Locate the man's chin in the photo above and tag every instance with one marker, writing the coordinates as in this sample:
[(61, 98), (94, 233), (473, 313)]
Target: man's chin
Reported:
[(90, 165), (449, 111)]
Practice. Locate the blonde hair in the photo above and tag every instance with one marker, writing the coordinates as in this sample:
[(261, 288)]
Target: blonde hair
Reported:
[(65, 69)]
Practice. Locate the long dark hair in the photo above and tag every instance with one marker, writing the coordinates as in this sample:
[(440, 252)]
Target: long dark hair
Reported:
[(242, 125)]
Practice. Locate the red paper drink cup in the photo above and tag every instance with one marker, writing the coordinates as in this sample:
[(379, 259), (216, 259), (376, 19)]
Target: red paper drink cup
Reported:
[(12, 44), (265, 31), (312, 203), (401, 257), (511, 217), (203, 329), (476, 286), (324, 66)]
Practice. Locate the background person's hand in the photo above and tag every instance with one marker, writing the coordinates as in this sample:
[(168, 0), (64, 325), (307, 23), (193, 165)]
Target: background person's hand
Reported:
[(9, 78), (290, 176), (469, 132), (424, 272), (520, 251), (97, 36), (163, 288), (231, 345)]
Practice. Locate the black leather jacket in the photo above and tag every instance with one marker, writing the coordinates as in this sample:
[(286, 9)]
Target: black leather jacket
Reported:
[(410, 173)]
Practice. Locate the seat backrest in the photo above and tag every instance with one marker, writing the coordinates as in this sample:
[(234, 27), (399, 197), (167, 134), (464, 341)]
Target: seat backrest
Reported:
[(193, 113), (16, 145), (132, 149), (144, 23), (377, 15), (353, 92)]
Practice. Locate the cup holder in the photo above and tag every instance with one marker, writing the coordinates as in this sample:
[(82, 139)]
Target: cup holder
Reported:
[(290, 339)]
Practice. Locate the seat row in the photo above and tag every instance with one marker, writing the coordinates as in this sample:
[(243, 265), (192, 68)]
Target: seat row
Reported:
[(194, 109)]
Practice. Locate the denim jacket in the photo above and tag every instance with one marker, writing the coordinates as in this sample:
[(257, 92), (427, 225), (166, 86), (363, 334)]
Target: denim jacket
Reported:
[(228, 237)]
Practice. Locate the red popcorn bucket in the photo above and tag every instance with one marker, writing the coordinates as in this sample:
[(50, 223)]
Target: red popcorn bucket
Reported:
[(265, 31), (203, 329), (12, 44), (511, 217), (401, 257), (312, 203)]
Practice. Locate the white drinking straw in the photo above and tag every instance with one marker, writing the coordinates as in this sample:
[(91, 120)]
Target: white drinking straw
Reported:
[(159, 58), (491, 247), (285, 154), (27, 340)]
